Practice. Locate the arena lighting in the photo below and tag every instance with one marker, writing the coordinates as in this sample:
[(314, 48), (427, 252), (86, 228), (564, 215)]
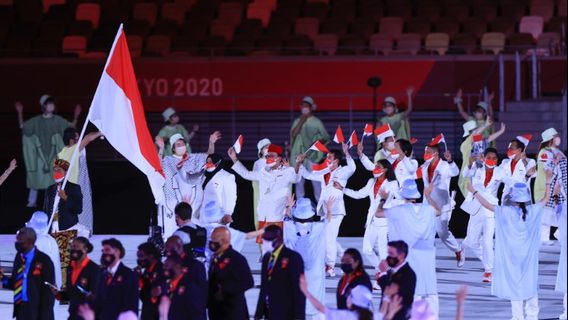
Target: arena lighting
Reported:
[(374, 82)]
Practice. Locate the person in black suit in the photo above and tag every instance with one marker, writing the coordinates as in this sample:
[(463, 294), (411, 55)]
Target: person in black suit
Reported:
[(229, 278), (71, 198), (118, 287), (32, 269), (353, 275), (396, 270), (185, 300), (193, 268), (83, 276), (280, 296), (152, 282)]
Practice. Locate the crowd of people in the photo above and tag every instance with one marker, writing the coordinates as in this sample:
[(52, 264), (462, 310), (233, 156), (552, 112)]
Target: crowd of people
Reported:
[(201, 273)]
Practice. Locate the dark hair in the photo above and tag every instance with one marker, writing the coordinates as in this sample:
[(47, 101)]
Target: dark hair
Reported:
[(435, 147), (28, 233), (86, 243), (406, 146), (480, 108), (68, 134), (519, 144), (183, 210), (337, 154), (150, 249), (400, 246), (491, 150), (274, 232), (390, 172), (545, 144), (523, 207), (362, 313), (116, 244), (356, 255)]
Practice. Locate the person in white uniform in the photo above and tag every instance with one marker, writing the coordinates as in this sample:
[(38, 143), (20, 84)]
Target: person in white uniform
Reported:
[(517, 167), (304, 233), (327, 177), (415, 224), (440, 173), (517, 243), (375, 238), (259, 164), (219, 187), (481, 225)]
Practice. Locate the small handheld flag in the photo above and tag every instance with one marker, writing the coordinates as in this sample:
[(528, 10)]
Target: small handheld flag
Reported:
[(318, 146), (353, 141), (238, 145), (338, 137)]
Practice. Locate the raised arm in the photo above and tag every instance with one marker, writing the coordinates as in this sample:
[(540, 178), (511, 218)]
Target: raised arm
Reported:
[(458, 101), (409, 92), (90, 137), (497, 134), (160, 143), (240, 169), (212, 139), (480, 198), (355, 194), (194, 130), (368, 164), (11, 167)]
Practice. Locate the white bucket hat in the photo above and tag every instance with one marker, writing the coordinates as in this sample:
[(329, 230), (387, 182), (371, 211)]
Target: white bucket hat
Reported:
[(520, 193), (468, 126), (303, 209), (262, 143), (168, 113), (309, 101), (483, 105), (390, 100), (548, 134), (43, 99), (175, 138), (38, 222)]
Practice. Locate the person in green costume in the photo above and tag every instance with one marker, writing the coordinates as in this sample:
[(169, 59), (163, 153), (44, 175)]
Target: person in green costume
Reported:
[(306, 130), (42, 139), (482, 112), (171, 118)]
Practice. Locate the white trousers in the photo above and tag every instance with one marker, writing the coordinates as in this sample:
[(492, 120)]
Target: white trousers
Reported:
[(564, 314), (479, 239), (444, 232), (375, 241), (300, 189), (331, 246), (525, 310), (32, 197), (433, 303)]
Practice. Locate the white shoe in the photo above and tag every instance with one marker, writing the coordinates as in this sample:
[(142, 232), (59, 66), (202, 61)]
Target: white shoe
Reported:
[(547, 242), (330, 271), (376, 286), (460, 258)]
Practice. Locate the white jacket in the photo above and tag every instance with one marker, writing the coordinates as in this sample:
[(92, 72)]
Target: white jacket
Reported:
[(341, 175), (445, 171), (405, 169), (477, 176), (222, 189), (519, 175), (368, 190), (274, 188)]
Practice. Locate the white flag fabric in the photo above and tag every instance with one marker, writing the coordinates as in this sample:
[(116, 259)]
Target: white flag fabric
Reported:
[(238, 145), (118, 113)]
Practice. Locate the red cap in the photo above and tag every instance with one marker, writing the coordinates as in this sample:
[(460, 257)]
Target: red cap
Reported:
[(276, 149)]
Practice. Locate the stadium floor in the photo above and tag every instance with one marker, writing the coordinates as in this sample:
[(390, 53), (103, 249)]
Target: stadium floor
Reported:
[(479, 305)]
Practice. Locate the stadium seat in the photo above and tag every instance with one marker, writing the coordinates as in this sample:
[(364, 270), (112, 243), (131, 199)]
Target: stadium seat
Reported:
[(448, 25), (363, 27), (158, 45), (493, 41), (173, 11), (230, 13), (437, 42), (550, 42), (544, 9), (89, 12), (421, 26), (352, 44), (46, 4), (408, 43), (458, 12), (135, 44), (146, 11), (391, 26), (464, 43), (268, 3), (520, 42), (326, 44), (308, 26), (316, 10), (533, 25), (222, 29), (260, 12), (475, 26), (333, 26), (381, 43), (504, 25), (76, 45)]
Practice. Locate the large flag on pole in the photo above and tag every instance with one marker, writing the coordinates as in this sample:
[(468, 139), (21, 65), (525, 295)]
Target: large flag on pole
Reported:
[(118, 113)]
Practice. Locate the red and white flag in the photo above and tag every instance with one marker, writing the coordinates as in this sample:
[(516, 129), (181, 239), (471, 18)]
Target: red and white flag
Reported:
[(477, 138), (320, 167), (238, 145), (338, 137), (368, 131), (437, 140), (353, 141), (117, 111), (413, 140), (318, 146)]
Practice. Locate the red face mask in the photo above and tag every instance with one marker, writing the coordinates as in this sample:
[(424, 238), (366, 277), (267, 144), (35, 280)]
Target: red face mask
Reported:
[(490, 163), (428, 156), (378, 172), (510, 153), (209, 166), (58, 176)]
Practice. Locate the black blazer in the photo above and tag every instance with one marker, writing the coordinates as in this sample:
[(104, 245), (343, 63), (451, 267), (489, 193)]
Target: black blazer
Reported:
[(229, 278), (283, 288), (148, 281), (188, 301), (361, 279), (68, 209), (406, 280), (119, 296), (88, 280), (40, 298)]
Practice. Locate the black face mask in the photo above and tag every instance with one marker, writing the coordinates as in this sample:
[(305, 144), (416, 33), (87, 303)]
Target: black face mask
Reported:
[(347, 268), (107, 259), (143, 263), (19, 247), (214, 246), (392, 261), (76, 254)]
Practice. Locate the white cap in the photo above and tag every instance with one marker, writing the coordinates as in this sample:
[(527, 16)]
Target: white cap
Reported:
[(390, 100), (483, 105), (175, 138), (309, 101), (548, 134), (383, 136), (468, 126), (303, 209), (168, 113), (262, 143), (43, 99), (38, 222)]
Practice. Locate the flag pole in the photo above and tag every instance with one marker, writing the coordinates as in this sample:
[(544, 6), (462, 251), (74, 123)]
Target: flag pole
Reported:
[(81, 135)]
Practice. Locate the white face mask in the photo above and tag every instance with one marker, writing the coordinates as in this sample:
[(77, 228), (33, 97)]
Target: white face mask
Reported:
[(556, 142), (389, 145), (210, 169), (180, 151), (305, 110), (266, 246)]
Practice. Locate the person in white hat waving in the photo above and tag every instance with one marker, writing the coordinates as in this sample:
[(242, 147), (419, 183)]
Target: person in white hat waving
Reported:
[(173, 126), (517, 244), (482, 113), (45, 131), (398, 121)]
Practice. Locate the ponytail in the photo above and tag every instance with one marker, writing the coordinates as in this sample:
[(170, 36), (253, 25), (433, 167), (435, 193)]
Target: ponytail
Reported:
[(523, 207)]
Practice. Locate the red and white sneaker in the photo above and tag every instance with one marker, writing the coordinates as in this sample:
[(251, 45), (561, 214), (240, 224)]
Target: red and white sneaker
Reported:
[(460, 258), (487, 276), (330, 271)]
